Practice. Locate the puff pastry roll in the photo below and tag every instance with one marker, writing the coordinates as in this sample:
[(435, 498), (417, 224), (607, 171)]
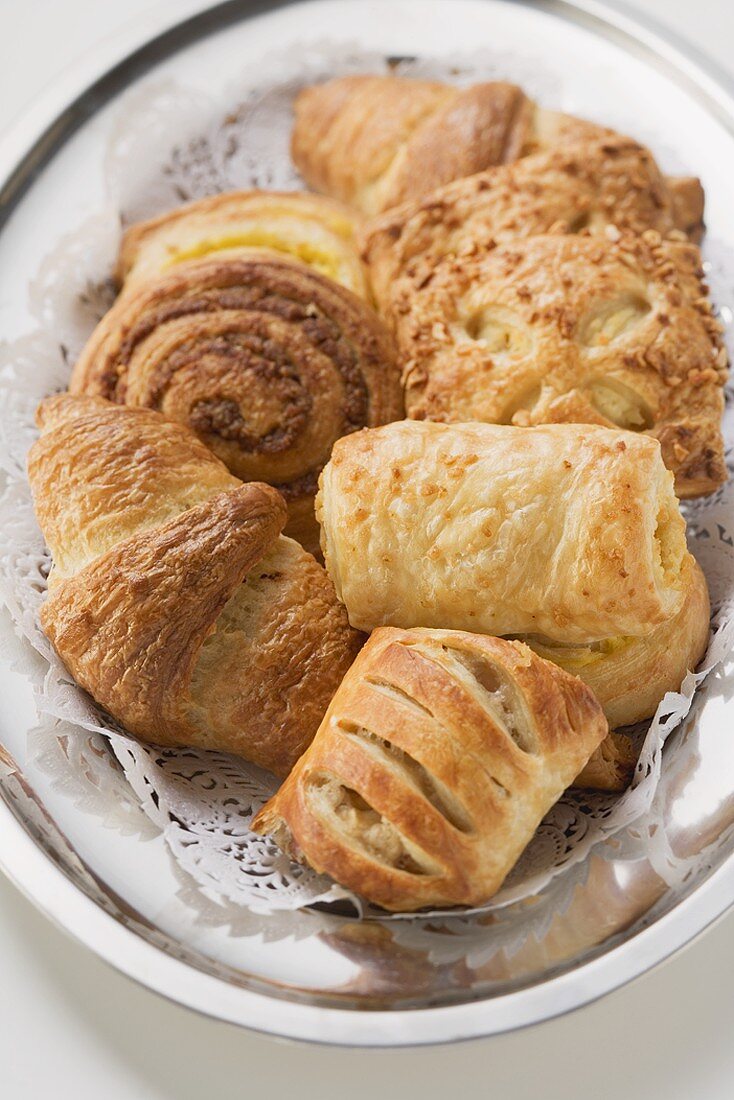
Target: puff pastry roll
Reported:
[(571, 532), (572, 329), (309, 228), (173, 599), (630, 675), (266, 360), (435, 762), (377, 141), (585, 188)]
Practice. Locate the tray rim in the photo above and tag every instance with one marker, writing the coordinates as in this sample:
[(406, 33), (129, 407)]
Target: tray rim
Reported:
[(25, 148)]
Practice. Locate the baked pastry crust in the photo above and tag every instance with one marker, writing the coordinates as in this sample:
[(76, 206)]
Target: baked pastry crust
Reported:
[(629, 676), (174, 600), (570, 532), (434, 765), (572, 329), (378, 141), (610, 767), (267, 361), (315, 230), (584, 188)]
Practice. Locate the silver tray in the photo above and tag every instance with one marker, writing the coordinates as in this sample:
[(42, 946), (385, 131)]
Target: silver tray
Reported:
[(327, 977)]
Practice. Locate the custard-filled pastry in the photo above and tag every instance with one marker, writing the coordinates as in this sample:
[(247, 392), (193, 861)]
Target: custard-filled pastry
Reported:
[(266, 360), (569, 532), (572, 329), (377, 141), (317, 231), (630, 675), (173, 599), (586, 188), (435, 763)]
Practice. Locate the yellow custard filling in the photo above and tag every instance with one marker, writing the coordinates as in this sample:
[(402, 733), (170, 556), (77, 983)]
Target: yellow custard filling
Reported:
[(575, 657), (323, 262)]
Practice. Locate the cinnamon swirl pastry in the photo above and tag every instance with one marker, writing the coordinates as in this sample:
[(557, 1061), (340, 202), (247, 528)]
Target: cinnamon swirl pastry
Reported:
[(377, 141), (173, 598), (317, 231), (434, 765), (266, 360), (572, 329), (587, 188)]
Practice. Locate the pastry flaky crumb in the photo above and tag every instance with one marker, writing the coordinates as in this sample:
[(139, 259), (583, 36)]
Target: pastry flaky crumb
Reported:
[(569, 329), (437, 759), (174, 599)]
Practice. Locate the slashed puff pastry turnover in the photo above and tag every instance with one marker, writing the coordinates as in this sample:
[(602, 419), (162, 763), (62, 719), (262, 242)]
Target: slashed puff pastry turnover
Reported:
[(377, 141), (173, 598), (572, 329), (317, 231), (569, 536), (266, 360), (434, 764)]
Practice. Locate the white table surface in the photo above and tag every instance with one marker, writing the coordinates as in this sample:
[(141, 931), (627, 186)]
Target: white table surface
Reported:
[(70, 1027)]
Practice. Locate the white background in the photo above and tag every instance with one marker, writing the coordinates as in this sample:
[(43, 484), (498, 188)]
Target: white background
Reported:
[(72, 1028)]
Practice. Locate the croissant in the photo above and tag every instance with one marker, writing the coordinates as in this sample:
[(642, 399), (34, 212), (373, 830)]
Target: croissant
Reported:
[(572, 329), (266, 360), (435, 762), (569, 536), (173, 598), (588, 187), (309, 228), (377, 141)]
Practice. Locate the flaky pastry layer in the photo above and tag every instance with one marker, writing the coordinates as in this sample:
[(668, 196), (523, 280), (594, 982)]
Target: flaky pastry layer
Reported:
[(433, 766), (175, 601), (267, 361), (555, 329), (572, 532), (314, 230)]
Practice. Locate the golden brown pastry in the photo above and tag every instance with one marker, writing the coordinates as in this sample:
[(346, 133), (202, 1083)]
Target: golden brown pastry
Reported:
[(572, 329), (173, 599), (377, 141), (436, 761), (569, 532), (610, 767), (568, 536), (587, 188), (309, 228), (267, 361), (630, 675)]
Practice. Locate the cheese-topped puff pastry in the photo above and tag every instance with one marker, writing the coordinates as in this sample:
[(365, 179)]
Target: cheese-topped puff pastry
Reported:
[(588, 187), (434, 764), (572, 329), (571, 532), (317, 231), (377, 141)]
